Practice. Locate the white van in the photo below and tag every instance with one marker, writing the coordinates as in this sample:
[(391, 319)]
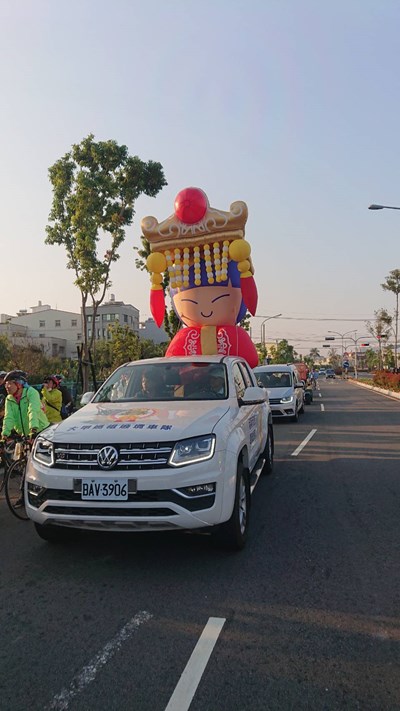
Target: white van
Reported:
[(284, 387)]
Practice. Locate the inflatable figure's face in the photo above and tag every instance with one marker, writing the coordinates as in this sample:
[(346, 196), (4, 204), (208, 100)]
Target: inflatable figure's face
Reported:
[(208, 305)]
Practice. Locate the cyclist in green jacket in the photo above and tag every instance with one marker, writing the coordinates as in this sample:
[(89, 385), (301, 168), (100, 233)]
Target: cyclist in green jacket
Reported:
[(23, 409)]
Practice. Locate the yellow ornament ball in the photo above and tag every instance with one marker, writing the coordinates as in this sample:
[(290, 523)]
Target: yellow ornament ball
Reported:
[(156, 279), (239, 250), (156, 262)]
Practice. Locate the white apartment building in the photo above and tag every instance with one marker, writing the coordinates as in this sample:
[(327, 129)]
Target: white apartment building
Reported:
[(59, 333), (109, 313), (56, 332)]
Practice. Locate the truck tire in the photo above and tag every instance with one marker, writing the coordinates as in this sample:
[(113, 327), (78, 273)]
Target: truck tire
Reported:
[(268, 453), (233, 534)]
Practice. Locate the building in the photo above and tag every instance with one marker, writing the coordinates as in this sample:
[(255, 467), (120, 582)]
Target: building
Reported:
[(150, 331), (110, 313), (56, 332)]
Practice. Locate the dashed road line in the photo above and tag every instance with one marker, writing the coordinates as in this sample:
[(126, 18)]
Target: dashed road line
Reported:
[(303, 443), (191, 675), (322, 407), (61, 701)]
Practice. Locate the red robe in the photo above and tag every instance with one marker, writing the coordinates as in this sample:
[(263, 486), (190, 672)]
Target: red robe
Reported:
[(213, 340)]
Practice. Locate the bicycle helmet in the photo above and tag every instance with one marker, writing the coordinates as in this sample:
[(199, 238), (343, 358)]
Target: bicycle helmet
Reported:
[(53, 378), (19, 376)]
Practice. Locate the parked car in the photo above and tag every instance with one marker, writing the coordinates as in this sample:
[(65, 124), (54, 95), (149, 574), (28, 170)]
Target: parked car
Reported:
[(330, 373), (285, 389), (165, 443)]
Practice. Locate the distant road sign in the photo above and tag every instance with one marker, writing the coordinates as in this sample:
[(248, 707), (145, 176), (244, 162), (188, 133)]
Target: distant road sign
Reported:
[(346, 364)]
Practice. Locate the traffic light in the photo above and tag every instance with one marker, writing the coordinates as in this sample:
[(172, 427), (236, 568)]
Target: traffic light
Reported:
[(325, 345), (329, 338)]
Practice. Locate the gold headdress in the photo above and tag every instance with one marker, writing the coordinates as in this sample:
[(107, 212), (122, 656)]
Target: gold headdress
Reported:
[(194, 232)]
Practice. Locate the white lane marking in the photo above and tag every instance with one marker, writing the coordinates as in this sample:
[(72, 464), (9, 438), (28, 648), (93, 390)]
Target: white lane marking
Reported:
[(303, 443), (80, 681), (320, 395), (191, 675), (322, 407)]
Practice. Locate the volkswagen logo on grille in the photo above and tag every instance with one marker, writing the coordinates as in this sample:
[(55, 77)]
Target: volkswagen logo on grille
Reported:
[(107, 457)]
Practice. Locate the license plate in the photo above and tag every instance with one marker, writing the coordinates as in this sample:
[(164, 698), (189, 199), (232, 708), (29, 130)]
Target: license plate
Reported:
[(104, 489)]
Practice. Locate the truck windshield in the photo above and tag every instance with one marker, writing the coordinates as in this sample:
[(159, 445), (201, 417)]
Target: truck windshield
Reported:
[(165, 382)]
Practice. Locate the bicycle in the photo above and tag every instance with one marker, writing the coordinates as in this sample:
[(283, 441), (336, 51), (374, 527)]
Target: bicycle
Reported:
[(6, 459), (14, 479)]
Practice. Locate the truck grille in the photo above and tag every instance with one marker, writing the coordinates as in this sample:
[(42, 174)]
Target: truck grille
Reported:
[(131, 456)]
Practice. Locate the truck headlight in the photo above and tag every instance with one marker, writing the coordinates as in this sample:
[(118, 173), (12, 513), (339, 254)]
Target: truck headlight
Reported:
[(43, 451), (287, 399), (195, 449)]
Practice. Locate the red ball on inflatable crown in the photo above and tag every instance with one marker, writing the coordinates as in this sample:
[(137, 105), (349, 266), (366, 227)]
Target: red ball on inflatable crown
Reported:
[(191, 205)]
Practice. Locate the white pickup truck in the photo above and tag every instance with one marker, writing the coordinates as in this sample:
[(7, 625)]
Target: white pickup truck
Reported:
[(166, 443)]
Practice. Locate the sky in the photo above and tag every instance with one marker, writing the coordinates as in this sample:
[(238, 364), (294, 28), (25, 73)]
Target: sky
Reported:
[(290, 105)]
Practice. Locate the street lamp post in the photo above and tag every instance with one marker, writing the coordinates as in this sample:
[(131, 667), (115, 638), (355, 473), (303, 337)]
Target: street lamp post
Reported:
[(382, 207), (355, 341), (263, 327), (388, 207), (342, 335)]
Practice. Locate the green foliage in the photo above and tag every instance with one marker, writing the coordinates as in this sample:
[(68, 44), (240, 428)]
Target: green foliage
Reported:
[(380, 329), (5, 353), (245, 322), (171, 323), (392, 284), (123, 347), (334, 359), (262, 352), (282, 352), (371, 358), (95, 187), (149, 349)]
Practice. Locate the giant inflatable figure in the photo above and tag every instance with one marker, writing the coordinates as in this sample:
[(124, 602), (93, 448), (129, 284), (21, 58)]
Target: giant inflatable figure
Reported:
[(210, 276)]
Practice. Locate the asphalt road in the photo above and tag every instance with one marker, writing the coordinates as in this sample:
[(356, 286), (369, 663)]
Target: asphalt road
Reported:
[(306, 617)]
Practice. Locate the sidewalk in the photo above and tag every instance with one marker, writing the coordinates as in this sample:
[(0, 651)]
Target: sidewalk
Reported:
[(389, 393)]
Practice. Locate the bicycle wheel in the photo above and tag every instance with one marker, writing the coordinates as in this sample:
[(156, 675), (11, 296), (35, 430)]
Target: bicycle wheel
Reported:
[(14, 489)]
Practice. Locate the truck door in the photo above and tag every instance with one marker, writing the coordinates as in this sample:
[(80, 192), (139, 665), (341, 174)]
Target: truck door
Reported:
[(249, 415)]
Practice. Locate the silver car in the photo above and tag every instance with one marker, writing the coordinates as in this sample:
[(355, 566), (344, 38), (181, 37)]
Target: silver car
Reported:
[(285, 389)]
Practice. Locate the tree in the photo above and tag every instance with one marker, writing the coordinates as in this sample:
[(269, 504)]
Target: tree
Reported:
[(125, 345), (371, 358), (262, 351), (334, 359), (95, 187), (282, 352), (5, 353), (392, 284), (380, 329), (149, 349), (315, 354)]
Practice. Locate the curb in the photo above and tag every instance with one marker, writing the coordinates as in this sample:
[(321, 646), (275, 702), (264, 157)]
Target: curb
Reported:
[(381, 391)]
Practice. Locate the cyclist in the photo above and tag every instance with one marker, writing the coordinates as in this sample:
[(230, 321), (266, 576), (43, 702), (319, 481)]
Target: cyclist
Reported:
[(67, 399), (23, 409), (313, 378), (52, 399)]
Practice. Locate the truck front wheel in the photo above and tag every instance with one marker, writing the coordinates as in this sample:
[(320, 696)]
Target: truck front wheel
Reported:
[(233, 533)]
